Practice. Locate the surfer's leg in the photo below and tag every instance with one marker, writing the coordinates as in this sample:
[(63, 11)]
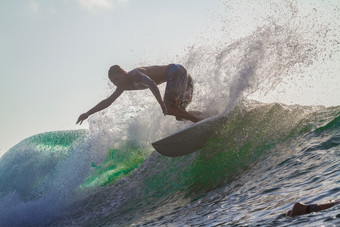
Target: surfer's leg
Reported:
[(182, 114), (177, 80), (186, 97), (178, 92)]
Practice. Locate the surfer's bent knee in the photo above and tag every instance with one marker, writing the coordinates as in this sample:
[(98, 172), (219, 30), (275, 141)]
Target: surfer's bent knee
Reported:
[(179, 87)]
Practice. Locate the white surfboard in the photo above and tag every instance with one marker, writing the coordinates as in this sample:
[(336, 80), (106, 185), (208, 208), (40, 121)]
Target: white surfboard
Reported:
[(189, 139)]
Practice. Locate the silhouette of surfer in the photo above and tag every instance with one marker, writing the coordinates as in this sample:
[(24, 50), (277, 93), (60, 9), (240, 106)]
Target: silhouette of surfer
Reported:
[(178, 92)]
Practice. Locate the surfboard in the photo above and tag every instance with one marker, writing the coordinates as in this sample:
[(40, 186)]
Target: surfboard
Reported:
[(190, 139)]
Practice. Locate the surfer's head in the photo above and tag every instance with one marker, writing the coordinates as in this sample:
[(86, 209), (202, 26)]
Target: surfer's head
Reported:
[(115, 73)]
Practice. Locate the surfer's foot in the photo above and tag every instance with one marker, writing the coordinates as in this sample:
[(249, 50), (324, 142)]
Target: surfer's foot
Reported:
[(182, 114)]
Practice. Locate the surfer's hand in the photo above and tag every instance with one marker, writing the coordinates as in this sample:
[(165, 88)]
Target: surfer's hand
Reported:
[(82, 117)]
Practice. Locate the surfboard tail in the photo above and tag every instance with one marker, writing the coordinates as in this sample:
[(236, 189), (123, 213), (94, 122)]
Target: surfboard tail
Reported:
[(189, 139)]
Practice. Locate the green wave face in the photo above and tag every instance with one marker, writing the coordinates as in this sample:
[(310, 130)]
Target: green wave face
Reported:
[(248, 135), (118, 163), (56, 141)]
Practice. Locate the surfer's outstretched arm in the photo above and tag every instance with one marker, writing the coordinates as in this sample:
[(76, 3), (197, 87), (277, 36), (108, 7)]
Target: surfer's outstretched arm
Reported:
[(100, 106)]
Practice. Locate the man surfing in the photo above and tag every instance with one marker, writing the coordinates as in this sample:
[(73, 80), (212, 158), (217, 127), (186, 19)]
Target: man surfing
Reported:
[(178, 91)]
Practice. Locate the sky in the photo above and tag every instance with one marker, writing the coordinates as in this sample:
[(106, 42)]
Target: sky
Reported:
[(55, 54)]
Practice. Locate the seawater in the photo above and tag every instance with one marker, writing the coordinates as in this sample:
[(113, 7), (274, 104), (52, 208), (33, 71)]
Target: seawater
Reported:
[(267, 155), (265, 158)]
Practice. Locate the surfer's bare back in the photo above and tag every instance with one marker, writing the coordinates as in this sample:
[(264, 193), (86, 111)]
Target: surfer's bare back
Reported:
[(178, 92)]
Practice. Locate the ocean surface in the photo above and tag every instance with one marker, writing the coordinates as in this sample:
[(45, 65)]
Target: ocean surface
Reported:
[(267, 155)]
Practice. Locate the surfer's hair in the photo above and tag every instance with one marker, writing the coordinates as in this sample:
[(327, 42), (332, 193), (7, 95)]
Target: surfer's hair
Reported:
[(115, 69)]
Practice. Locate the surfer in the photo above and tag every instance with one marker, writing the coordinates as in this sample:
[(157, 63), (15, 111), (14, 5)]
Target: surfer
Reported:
[(300, 208), (178, 91)]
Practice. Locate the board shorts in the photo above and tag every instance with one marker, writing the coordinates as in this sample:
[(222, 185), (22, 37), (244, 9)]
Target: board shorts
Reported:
[(179, 87)]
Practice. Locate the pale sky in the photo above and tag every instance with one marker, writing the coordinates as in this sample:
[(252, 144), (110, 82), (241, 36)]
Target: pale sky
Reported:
[(55, 54)]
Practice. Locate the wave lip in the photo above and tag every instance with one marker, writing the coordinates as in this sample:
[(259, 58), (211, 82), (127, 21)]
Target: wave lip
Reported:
[(28, 178)]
